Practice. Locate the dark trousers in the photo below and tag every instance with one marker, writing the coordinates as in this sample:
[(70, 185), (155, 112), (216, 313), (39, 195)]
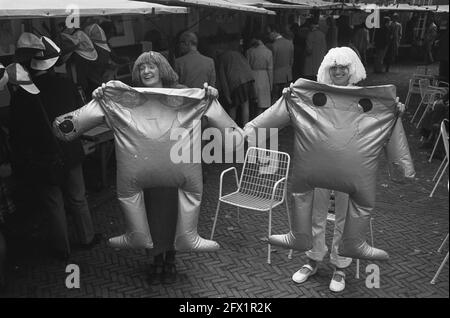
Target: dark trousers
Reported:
[(162, 209), (71, 196)]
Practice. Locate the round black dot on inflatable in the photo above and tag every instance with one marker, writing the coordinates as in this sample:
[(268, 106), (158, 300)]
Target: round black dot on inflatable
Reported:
[(66, 126), (319, 99), (366, 104)]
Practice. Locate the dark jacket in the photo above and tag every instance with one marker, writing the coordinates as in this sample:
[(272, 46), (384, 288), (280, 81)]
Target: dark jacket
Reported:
[(383, 37), (38, 155)]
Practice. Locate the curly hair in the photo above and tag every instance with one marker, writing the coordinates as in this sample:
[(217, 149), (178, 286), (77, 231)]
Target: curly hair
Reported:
[(344, 56), (169, 77)]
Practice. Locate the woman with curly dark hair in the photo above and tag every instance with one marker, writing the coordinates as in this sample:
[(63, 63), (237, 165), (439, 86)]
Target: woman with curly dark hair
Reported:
[(151, 69)]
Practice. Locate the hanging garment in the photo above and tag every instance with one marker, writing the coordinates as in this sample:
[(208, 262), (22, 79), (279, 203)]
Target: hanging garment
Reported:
[(339, 134), (151, 127)]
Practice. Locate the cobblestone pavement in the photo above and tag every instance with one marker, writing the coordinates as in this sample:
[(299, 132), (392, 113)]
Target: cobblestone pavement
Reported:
[(407, 223)]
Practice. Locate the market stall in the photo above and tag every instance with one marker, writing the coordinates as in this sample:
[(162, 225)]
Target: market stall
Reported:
[(61, 8)]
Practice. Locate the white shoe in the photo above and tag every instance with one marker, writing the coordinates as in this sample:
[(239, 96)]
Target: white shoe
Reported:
[(337, 283), (303, 273)]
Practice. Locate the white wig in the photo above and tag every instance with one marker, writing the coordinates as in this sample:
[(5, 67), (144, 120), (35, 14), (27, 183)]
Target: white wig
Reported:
[(343, 56)]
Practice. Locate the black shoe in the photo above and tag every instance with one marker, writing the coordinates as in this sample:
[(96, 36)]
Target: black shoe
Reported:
[(97, 239), (169, 275), (155, 273)]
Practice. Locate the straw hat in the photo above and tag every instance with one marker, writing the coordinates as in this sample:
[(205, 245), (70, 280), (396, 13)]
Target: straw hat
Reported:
[(27, 46), (30, 41), (97, 35), (84, 46), (44, 60), (19, 76)]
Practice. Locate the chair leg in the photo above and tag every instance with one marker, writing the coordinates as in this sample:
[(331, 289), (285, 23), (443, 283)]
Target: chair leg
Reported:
[(433, 281), (422, 117), (439, 169), (443, 243), (439, 180), (238, 219), (357, 269), (291, 252), (270, 232), (434, 148), (417, 111), (408, 97), (215, 220), (371, 230)]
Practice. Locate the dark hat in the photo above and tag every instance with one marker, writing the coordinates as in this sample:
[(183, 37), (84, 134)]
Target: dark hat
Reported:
[(44, 60), (27, 46), (84, 46), (19, 76), (97, 35), (30, 41)]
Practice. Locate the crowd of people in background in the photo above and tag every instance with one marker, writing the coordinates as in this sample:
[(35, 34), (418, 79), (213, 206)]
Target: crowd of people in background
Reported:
[(51, 77)]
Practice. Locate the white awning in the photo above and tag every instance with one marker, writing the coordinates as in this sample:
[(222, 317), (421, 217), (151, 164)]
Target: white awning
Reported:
[(271, 5), (438, 8), (222, 4), (320, 4), (401, 7), (61, 8)]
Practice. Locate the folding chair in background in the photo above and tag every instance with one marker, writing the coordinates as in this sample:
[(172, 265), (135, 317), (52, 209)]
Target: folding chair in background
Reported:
[(437, 142), (414, 87), (262, 186), (429, 94), (433, 281), (444, 164)]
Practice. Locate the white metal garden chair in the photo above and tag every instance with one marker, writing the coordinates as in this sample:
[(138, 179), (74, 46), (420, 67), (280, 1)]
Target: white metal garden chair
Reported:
[(429, 94), (436, 143), (262, 186), (433, 281), (444, 164), (414, 85)]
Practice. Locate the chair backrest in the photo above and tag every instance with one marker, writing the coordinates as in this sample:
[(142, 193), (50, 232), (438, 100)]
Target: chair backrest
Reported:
[(423, 84), (421, 69), (262, 169), (444, 133)]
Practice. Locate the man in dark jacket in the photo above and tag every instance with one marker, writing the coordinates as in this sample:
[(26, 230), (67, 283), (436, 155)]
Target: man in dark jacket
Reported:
[(382, 40), (53, 167)]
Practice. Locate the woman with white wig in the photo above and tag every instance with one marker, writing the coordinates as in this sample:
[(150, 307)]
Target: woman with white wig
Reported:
[(341, 67)]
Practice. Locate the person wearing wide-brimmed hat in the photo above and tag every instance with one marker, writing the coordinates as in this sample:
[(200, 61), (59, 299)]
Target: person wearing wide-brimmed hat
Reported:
[(98, 37), (27, 46), (53, 168), (6, 203), (103, 69), (20, 77), (79, 56)]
